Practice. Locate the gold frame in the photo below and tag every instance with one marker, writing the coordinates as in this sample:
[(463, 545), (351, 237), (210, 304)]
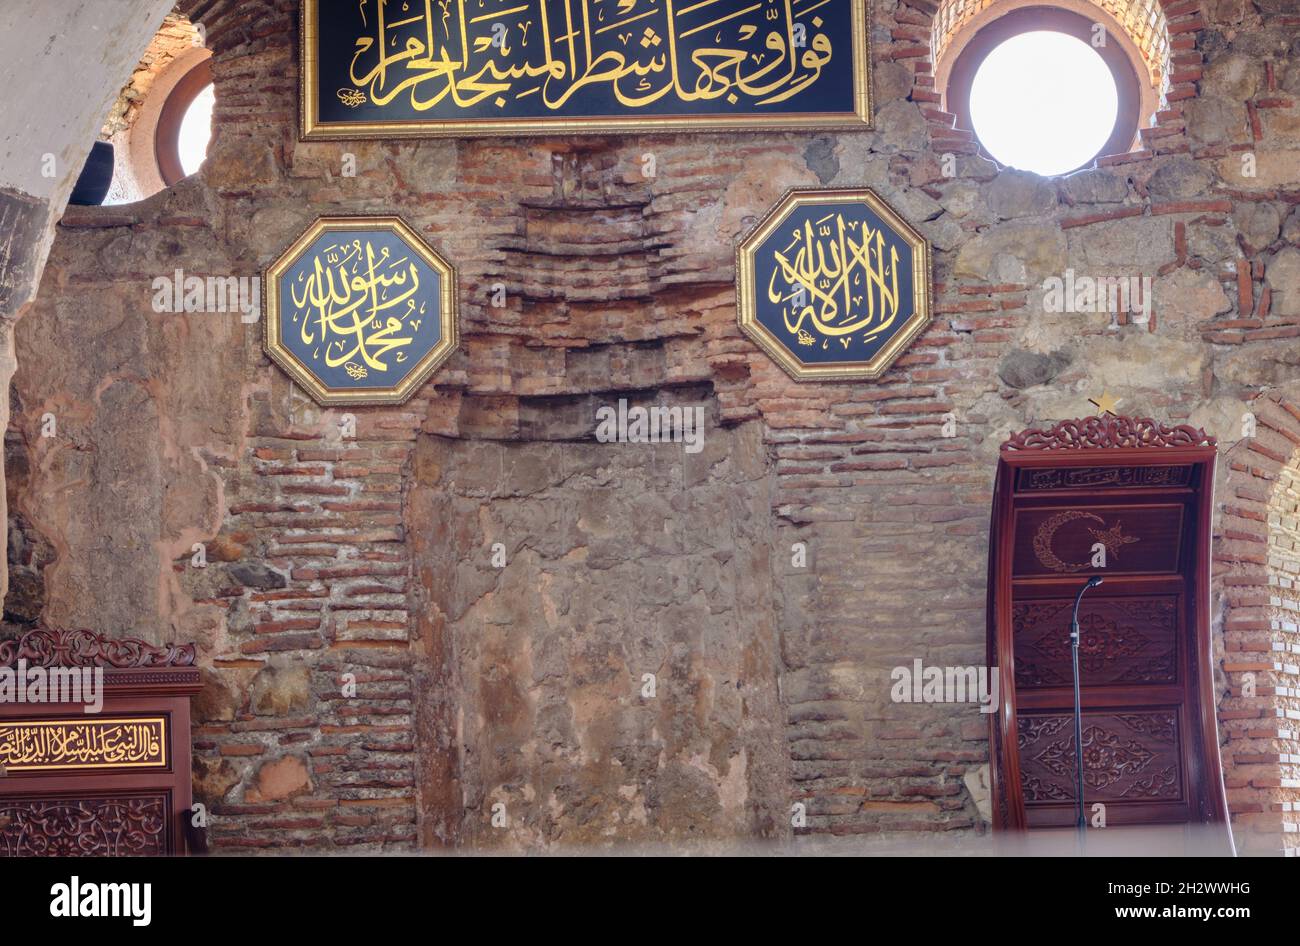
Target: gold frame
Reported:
[(419, 373), (311, 128), (159, 763), (746, 302)]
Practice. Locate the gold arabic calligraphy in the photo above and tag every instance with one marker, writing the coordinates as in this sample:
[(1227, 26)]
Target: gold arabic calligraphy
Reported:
[(460, 54), (355, 306), (838, 276), (63, 744)]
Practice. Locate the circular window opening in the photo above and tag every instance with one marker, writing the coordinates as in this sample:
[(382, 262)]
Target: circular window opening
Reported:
[(1057, 121), (196, 131), (185, 125), (1042, 95)]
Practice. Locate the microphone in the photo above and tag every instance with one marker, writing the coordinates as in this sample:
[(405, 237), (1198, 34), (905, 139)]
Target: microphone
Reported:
[(1080, 824)]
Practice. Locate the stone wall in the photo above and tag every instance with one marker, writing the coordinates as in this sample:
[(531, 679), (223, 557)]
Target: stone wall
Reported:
[(63, 66), (560, 574), (335, 561)]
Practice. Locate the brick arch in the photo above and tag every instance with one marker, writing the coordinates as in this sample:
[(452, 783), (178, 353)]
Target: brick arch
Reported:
[(1143, 21), (227, 28), (922, 30), (1257, 587), (172, 59)]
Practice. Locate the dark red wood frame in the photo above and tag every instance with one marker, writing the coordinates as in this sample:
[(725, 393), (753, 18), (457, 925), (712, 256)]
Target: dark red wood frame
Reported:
[(1094, 443), (139, 680)]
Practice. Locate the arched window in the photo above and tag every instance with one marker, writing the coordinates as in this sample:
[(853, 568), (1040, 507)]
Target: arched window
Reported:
[(185, 125), (162, 121), (1050, 89)]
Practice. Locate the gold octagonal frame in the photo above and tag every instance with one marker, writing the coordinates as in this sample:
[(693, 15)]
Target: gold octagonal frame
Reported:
[(747, 308), (420, 372)]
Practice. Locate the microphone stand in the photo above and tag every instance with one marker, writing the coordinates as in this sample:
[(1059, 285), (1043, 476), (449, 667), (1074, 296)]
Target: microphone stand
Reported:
[(1080, 824)]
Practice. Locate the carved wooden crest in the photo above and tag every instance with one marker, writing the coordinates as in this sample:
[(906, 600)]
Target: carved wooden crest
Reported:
[(51, 647), (1109, 430)]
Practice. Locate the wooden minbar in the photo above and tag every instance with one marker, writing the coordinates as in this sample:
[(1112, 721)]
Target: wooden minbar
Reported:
[(1128, 500), (111, 783)]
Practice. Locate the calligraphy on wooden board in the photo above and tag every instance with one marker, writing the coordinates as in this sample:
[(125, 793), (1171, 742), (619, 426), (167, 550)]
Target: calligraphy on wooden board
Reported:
[(392, 68), (42, 745)]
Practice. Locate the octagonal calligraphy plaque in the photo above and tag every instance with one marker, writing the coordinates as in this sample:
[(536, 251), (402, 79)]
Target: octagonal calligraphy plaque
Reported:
[(833, 284), (360, 310)]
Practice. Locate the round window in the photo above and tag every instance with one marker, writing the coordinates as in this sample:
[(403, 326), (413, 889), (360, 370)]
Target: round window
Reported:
[(185, 125), (196, 131), (1053, 124), (1045, 90)]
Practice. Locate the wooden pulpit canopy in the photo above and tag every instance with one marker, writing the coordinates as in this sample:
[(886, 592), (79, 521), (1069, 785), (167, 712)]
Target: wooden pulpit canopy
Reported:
[(107, 783), (1129, 500)]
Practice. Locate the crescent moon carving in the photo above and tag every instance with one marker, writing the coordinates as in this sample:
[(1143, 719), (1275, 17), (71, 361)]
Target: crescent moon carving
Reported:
[(1047, 532)]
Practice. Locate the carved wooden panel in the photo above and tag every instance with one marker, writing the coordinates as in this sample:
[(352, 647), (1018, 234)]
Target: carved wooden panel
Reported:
[(92, 826), (1126, 757), (1122, 641), (105, 784), (1057, 541), (1088, 477), (1109, 432), (1141, 491)]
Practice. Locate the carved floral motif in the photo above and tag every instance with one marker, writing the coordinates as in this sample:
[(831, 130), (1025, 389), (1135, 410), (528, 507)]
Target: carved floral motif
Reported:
[(1109, 431), (50, 647), (1113, 762), (1122, 640), (83, 827)]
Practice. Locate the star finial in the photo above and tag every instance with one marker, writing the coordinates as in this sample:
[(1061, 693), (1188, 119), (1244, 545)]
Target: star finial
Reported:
[(1105, 404)]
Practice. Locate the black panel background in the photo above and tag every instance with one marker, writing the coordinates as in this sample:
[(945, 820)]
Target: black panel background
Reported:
[(339, 25)]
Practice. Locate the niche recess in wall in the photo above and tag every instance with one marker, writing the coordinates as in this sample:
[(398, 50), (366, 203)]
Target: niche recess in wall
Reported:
[(160, 124)]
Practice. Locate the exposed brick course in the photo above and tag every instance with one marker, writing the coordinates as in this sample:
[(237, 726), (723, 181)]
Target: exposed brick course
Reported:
[(475, 685)]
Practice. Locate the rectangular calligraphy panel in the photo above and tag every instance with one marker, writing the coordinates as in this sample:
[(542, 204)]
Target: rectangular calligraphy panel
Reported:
[(1103, 477), (391, 68), (50, 744)]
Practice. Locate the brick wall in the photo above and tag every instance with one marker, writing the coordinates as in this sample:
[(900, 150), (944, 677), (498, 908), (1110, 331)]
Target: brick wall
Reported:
[(331, 557), (1258, 563)]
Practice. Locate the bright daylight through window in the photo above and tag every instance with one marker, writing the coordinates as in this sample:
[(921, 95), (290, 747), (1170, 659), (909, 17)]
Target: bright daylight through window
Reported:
[(196, 131), (1043, 101)]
